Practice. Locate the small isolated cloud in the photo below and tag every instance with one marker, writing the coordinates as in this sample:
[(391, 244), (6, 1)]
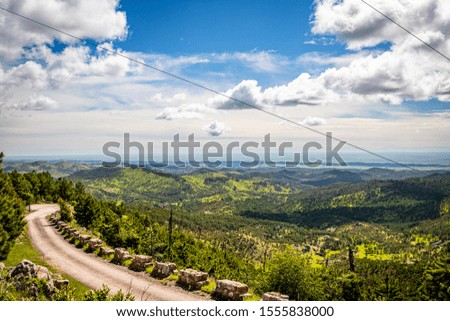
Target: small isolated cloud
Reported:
[(36, 102), (313, 121), (186, 111), (216, 128)]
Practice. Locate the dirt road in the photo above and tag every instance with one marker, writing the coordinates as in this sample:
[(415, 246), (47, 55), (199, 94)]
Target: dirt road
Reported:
[(92, 270)]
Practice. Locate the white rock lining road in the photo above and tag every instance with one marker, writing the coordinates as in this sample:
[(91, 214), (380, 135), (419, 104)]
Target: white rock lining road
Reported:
[(92, 270)]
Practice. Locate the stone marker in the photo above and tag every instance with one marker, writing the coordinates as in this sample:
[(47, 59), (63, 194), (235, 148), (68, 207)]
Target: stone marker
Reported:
[(163, 270), (141, 262), (193, 278), (84, 239), (94, 244), (121, 255), (106, 251), (230, 290)]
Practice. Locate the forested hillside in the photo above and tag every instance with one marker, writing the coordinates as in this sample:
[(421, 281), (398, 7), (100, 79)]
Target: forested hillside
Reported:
[(394, 227), (285, 198), (372, 240)]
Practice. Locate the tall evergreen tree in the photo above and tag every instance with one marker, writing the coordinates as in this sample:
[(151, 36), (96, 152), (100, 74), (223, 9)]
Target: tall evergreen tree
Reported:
[(437, 285), (87, 210), (22, 187), (11, 213), (65, 189)]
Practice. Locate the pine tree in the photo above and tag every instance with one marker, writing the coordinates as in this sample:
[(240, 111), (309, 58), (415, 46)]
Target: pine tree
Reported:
[(65, 212), (87, 210), (22, 187), (11, 213), (437, 285)]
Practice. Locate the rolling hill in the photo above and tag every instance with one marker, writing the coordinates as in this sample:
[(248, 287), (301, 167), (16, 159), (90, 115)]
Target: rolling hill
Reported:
[(306, 198)]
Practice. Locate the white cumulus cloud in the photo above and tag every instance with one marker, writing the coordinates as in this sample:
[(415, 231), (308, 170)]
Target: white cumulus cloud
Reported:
[(36, 102), (97, 19), (216, 128), (313, 121), (358, 25), (407, 70), (247, 91)]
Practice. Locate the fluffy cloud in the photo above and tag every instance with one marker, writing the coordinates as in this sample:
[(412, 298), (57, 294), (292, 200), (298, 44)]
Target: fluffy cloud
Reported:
[(75, 65), (304, 90), (358, 25), (247, 91), (78, 62), (186, 111), (408, 70), (98, 20), (216, 128), (313, 121), (36, 102), (29, 74), (45, 69)]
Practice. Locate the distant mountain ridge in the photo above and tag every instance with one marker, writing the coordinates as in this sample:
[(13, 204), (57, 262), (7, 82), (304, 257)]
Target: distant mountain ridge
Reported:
[(56, 169)]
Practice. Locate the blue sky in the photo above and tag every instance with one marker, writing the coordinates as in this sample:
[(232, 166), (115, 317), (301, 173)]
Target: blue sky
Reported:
[(193, 27), (337, 66), (185, 28)]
